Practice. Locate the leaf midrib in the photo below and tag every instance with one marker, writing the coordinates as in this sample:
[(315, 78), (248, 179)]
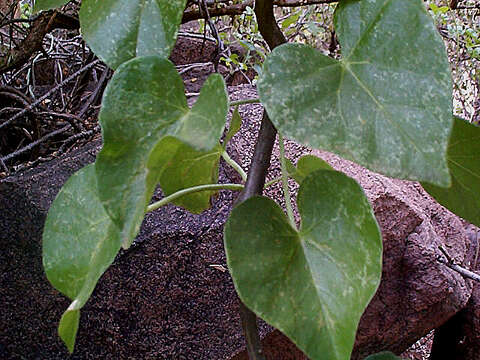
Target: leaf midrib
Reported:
[(368, 29), (345, 62), (382, 108), (322, 306)]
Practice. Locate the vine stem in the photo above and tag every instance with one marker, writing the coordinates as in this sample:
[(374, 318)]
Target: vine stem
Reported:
[(286, 191), (234, 165), (254, 186), (273, 36), (208, 187), (245, 101)]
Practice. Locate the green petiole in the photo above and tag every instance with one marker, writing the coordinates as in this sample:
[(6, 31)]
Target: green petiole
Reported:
[(208, 187), (234, 165), (245, 101), (286, 191)]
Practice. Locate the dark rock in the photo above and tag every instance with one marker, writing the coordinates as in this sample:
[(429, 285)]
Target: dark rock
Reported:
[(31, 308), (190, 50), (161, 299), (165, 298), (276, 346)]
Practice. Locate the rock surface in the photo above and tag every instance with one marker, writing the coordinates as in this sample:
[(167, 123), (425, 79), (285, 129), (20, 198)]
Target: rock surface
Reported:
[(163, 299), (30, 306)]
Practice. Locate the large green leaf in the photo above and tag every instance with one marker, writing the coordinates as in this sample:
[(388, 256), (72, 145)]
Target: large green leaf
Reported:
[(312, 284), (119, 30), (144, 103), (463, 196), (79, 243), (48, 4), (386, 104)]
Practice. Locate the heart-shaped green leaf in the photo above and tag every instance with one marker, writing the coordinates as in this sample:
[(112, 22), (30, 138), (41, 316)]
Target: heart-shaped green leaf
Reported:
[(385, 105), (139, 111), (386, 355), (119, 30), (79, 243), (41, 5), (312, 284), (306, 165), (463, 196)]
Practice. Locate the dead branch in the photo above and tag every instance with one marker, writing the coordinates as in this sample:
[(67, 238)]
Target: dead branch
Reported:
[(50, 20), (238, 9), (450, 262), (50, 92), (40, 26)]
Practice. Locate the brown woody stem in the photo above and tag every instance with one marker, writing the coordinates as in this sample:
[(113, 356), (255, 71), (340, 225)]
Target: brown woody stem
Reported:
[(238, 9), (260, 162)]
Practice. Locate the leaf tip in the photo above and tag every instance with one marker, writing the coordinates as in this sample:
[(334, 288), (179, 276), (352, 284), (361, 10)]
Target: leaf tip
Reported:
[(68, 327)]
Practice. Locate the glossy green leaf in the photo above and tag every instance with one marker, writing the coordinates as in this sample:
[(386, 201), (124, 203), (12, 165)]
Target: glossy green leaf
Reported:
[(306, 165), (119, 30), (386, 105), (188, 168), (312, 284), (79, 243), (385, 355), (235, 125), (139, 111), (463, 196), (41, 5)]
